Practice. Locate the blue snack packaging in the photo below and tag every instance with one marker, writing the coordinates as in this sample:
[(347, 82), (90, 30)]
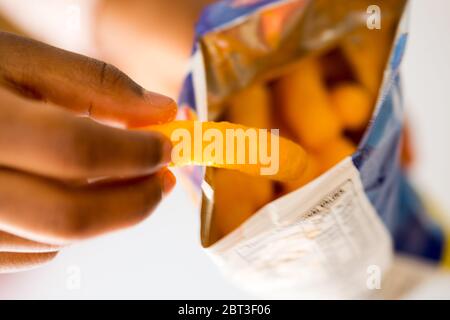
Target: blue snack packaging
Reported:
[(321, 240)]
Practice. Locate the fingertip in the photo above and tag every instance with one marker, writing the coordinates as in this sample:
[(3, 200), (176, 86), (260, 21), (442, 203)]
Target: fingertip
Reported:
[(158, 100), (167, 180), (165, 106), (153, 109)]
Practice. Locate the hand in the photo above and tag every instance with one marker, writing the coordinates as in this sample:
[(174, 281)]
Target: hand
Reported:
[(48, 154), (151, 40)]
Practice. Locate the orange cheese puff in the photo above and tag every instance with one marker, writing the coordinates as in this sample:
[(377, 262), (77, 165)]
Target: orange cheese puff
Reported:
[(215, 144), (353, 104), (237, 196), (251, 107), (334, 152), (335, 67), (278, 123), (312, 171), (305, 105), (367, 52)]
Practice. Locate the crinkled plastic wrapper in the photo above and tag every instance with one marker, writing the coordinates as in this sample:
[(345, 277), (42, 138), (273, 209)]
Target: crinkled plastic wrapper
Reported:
[(324, 239)]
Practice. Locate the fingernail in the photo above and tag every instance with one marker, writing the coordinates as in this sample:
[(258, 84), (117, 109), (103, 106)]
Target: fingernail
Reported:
[(159, 100), (167, 107), (167, 179)]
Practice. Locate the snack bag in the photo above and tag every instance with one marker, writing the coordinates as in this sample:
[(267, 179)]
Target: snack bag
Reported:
[(326, 74)]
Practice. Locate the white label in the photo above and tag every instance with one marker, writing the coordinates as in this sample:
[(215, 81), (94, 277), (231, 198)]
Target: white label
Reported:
[(317, 242)]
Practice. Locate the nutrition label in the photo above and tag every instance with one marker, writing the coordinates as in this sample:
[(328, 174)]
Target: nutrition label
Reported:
[(326, 233)]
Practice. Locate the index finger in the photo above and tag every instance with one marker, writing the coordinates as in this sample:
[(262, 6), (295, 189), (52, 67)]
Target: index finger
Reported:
[(82, 84)]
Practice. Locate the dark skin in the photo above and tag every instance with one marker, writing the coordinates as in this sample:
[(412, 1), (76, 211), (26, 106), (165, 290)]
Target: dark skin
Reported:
[(48, 152)]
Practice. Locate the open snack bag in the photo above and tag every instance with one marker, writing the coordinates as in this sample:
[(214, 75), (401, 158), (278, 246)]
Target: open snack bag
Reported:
[(326, 74)]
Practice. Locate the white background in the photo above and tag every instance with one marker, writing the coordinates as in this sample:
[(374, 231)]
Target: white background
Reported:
[(162, 257)]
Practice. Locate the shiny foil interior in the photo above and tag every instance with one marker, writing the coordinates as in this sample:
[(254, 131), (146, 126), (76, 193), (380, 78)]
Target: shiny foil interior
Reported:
[(267, 43)]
